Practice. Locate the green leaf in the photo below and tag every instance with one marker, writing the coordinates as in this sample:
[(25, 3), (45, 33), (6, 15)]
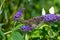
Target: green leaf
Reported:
[(2, 36), (17, 27), (0, 12), (1, 24), (16, 36), (58, 37)]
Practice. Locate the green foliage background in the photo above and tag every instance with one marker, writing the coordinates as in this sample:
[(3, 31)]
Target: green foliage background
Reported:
[(33, 8)]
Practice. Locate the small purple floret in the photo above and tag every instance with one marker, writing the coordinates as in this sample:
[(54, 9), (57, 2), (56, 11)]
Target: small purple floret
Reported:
[(18, 15), (58, 16), (26, 28)]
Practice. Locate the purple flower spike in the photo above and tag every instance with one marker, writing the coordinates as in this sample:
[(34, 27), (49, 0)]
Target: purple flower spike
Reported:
[(26, 28), (50, 17), (18, 15)]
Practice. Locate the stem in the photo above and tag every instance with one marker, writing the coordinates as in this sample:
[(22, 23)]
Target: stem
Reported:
[(1, 25), (8, 32), (14, 24), (2, 4), (25, 36)]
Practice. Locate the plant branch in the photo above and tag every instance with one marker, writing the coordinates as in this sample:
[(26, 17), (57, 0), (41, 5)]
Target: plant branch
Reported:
[(2, 4), (8, 32)]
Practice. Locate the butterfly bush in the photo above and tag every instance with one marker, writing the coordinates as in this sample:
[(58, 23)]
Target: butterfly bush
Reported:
[(50, 17), (18, 15), (45, 17), (26, 28)]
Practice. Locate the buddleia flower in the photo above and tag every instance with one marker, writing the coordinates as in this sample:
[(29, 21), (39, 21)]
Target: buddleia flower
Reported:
[(26, 28), (50, 17), (18, 15)]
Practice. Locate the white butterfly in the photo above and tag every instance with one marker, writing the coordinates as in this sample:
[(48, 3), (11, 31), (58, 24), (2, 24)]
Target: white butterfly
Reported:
[(51, 11)]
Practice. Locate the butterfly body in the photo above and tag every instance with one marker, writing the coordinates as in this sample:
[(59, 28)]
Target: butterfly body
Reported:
[(33, 21)]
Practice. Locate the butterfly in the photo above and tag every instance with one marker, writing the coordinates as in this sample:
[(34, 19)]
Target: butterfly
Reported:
[(33, 21)]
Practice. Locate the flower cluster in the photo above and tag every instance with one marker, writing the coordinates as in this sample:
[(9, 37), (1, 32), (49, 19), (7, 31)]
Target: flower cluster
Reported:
[(49, 17), (18, 15), (26, 28)]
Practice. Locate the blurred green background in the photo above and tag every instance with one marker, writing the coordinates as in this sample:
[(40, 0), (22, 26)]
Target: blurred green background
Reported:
[(33, 8)]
